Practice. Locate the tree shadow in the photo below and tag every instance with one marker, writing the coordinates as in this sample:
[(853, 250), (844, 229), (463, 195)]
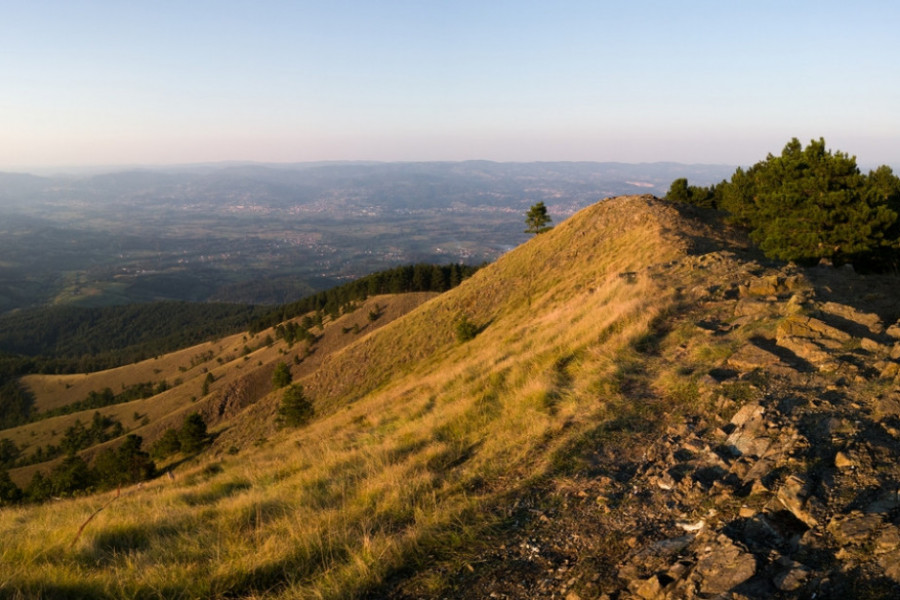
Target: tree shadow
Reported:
[(869, 293)]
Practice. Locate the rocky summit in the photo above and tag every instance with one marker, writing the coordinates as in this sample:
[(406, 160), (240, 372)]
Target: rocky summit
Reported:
[(774, 474)]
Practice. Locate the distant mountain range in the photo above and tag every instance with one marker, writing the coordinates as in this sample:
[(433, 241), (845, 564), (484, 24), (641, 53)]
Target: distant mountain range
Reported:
[(305, 182)]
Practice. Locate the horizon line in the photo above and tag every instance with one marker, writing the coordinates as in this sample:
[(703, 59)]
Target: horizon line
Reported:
[(97, 168)]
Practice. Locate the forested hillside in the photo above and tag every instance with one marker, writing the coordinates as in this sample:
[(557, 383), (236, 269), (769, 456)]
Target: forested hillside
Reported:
[(79, 340)]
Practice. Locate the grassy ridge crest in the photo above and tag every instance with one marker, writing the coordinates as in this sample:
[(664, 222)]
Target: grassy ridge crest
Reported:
[(420, 444)]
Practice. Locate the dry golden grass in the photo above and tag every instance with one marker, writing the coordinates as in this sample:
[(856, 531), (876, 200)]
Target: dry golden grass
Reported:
[(414, 433), (226, 359), (52, 391)]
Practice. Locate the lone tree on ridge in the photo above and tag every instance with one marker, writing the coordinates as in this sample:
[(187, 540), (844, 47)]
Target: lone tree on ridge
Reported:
[(537, 219)]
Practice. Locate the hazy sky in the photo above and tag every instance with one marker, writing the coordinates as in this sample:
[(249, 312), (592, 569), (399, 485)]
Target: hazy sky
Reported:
[(722, 81)]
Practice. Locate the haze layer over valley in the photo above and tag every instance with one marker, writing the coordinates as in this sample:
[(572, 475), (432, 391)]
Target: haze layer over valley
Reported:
[(272, 233)]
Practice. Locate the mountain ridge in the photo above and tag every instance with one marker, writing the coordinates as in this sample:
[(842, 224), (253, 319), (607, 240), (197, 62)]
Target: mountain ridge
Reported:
[(649, 409)]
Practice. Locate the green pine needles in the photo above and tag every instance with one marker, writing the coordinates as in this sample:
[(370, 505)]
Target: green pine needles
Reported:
[(537, 220), (810, 204), (296, 409)]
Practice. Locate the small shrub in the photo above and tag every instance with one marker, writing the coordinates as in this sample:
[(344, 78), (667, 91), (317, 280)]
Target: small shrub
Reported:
[(206, 382), (465, 329), (281, 376), (740, 391)]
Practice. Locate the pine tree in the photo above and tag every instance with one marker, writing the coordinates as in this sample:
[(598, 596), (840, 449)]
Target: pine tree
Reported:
[(39, 488), (537, 219), (70, 476), (136, 464), (193, 435), (295, 409), (9, 452), (9, 491), (809, 203), (167, 444), (126, 464), (704, 197)]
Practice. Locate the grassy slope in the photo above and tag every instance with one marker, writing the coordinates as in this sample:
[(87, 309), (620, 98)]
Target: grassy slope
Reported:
[(225, 359), (416, 434)]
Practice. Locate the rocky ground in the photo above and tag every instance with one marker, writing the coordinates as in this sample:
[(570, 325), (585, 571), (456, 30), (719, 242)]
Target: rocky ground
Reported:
[(784, 482)]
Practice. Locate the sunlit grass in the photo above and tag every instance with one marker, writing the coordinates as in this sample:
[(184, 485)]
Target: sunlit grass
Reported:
[(416, 433)]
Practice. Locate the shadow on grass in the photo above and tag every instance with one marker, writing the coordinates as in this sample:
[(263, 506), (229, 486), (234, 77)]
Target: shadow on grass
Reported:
[(56, 591), (301, 564), (215, 493), (452, 457), (109, 544), (440, 564)]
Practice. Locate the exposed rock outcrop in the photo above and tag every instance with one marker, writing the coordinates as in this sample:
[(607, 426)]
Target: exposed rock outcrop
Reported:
[(785, 486)]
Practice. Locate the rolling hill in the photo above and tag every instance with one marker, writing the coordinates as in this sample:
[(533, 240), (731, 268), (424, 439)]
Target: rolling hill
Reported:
[(646, 408)]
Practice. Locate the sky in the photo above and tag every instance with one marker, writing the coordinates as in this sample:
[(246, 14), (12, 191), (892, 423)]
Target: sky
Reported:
[(192, 81)]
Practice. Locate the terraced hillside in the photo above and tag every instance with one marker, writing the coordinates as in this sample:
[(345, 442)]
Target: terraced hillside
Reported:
[(644, 408)]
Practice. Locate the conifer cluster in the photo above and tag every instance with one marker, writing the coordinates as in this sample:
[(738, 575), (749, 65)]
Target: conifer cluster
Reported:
[(810, 204)]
